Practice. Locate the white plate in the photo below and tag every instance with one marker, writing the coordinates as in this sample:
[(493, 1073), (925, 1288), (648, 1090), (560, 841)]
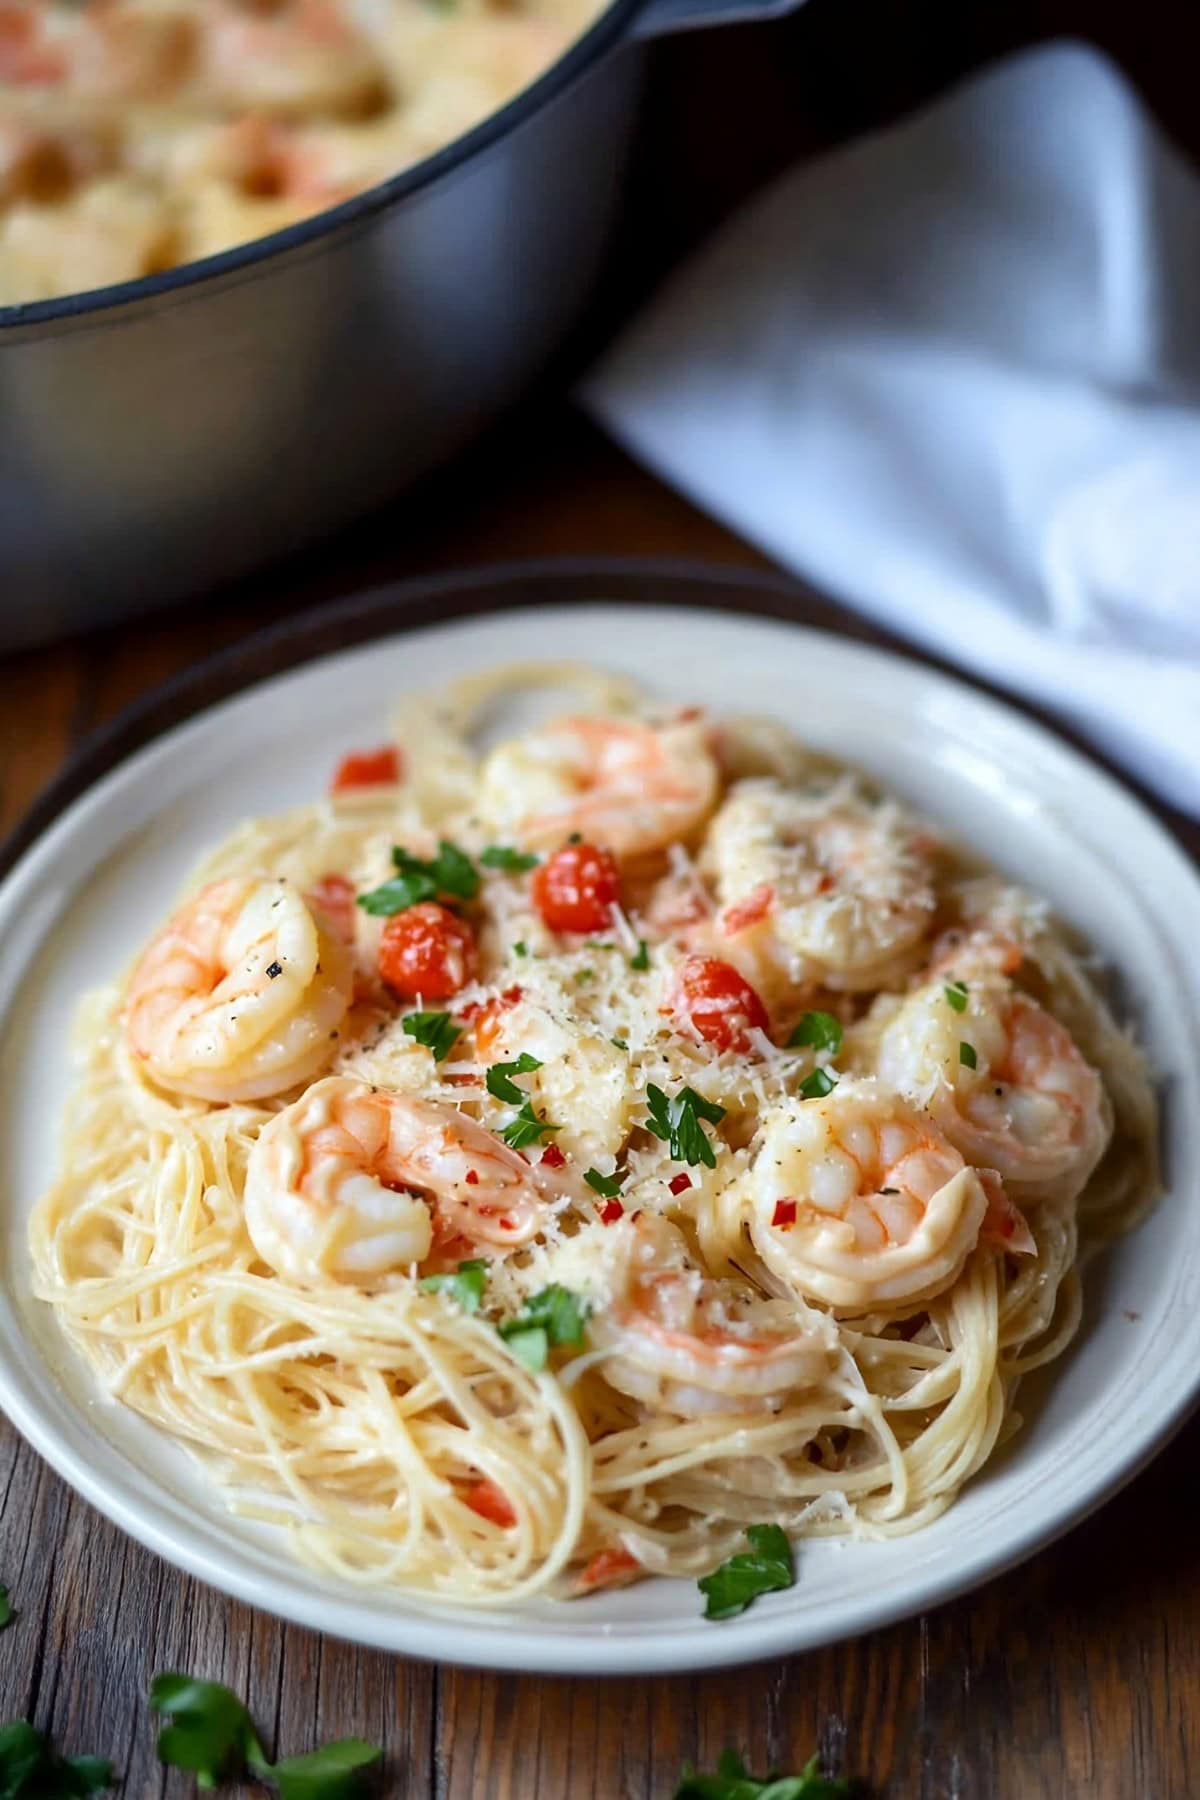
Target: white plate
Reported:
[(94, 884)]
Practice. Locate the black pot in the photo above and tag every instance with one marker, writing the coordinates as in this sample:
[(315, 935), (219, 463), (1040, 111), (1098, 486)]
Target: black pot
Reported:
[(165, 435)]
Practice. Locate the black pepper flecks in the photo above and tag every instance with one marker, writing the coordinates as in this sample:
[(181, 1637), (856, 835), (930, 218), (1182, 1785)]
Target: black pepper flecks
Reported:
[(274, 969)]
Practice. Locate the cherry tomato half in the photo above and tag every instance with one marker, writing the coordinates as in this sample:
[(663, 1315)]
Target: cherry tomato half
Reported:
[(717, 1002), (427, 952), (577, 888)]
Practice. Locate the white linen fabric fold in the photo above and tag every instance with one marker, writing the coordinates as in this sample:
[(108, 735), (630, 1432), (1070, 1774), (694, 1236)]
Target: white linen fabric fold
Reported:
[(951, 374)]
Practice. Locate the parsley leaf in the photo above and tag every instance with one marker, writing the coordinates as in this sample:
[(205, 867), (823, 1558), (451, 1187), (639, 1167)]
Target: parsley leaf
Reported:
[(436, 1030), (31, 1767), (6, 1609), (607, 1185), (211, 1734), (466, 1285), (520, 948), (641, 956), (967, 1056), (732, 1781), (956, 995), (677, 1123), (526, 1128), (451, 872), (503, 856), (817, 1031), (817, 1085), (554, 1316), (762, 1569), (334, 1772), (619, 1042), (529, 1345), (499, 1085)]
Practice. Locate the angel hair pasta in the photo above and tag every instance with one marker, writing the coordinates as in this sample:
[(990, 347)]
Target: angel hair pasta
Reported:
[(518, 1171)]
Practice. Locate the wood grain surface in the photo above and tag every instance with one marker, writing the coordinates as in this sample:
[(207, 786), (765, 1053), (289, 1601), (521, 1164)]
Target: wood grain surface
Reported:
[(1078, 1674)]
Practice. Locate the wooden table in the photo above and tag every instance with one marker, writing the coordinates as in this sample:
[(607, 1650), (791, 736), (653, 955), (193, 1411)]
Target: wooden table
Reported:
[(1076, 1675)]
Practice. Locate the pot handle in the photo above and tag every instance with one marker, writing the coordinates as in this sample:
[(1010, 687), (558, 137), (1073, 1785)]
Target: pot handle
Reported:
[(659, 18)]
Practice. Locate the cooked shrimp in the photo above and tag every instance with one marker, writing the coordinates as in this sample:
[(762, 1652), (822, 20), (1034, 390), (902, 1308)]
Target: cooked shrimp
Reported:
[(819, 886), (123, 50), (1002, 1078), (290, 57), (629, 786), (684, 1343), (582, 1080), (858, 1200), (351, 1181), (240, 995)]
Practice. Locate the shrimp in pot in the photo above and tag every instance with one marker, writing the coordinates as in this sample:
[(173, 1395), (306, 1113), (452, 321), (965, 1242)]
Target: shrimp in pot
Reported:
[(240, 995), (351, 1181), (626, 784), (290, 57), (118, 51), (684, 1343), (818, 887), (859, 1201), (1003, 1080)]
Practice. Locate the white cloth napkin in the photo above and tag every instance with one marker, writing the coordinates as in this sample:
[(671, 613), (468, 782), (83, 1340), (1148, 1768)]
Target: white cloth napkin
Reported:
[(952, 375)]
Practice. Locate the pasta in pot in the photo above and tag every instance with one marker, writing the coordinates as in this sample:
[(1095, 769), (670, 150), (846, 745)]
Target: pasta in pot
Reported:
[(490, 1196), (139, 134)]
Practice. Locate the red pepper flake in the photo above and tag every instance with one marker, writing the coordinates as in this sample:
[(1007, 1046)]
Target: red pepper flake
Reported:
[(611, 1211), (512, 994), (508, 1224), (744, 913), (679, 1184), (472, 1177), (553, 1157), (785, 1213)]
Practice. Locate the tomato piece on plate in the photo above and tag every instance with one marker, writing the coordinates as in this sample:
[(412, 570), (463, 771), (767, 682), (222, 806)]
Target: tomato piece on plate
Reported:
[(491, 1502), (613, 1567), (717, 1002), (381, 767), (427, 953), (577, 888)]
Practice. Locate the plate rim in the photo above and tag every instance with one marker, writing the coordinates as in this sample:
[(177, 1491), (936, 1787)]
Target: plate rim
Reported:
[(394, 610)]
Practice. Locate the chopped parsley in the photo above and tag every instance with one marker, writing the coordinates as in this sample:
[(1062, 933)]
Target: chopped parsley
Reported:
[(967, 1056), (733, 1782), (520, 948), (512, 862), (553, 1318), (465, 1285), (817, 1031), (817, 1085), (436, 1030), (526, 1128), (956, 995), (585, 974), (607, 1185), (677, 1123), (451, 872), (641, 956), (499, 1085), (619, 1042), (31, 1766), (763, 1569), (211, 1735)]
